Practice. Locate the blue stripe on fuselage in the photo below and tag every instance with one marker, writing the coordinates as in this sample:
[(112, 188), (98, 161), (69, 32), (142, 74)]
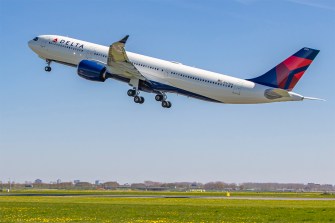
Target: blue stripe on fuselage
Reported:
[(166, 88), (156, 87)]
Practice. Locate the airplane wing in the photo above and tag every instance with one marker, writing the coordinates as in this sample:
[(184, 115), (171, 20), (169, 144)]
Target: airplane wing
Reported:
[(119, 63)]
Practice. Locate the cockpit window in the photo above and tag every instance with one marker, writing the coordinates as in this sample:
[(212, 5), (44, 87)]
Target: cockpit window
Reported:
[(35, 39)]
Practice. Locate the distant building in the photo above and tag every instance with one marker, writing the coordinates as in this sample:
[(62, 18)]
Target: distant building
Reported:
[(110, 185), (58, 181), (76, 181), (83, 185), (97, 182), (124, 187), (38, 181), (196, 187), (197, 190)]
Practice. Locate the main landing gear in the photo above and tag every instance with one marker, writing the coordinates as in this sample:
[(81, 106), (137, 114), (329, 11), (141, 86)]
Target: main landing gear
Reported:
[(48, 68), (162, 97), (134, 93)]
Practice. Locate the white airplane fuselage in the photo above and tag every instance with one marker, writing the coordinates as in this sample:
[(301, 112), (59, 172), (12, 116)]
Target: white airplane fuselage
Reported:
[(167, 76)]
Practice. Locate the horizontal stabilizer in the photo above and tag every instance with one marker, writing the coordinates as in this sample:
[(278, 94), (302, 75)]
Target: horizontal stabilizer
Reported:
[(317, 99), (275, 93)]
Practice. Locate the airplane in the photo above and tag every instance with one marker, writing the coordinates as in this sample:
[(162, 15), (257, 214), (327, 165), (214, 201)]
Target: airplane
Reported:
[(98, 63)]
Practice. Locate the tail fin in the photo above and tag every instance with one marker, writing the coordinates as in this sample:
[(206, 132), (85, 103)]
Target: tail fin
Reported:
[(287, 74)]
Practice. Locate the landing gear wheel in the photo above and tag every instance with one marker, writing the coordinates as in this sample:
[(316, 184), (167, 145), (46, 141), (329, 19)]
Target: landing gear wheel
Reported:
[(131, 93), (142, 100), (137, 99), (166, 104), (159, 97)]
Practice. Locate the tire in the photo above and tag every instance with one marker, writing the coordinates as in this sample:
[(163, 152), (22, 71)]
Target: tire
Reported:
[(159, 97), (137, 99), (130, 93), (164, 104), (169, 104), (142, 100)]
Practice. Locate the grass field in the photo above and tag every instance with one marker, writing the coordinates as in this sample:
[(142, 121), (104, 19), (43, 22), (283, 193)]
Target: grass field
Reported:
[(159, 210)]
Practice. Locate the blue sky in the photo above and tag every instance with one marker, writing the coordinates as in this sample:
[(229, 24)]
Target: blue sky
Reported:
[(58, 125)]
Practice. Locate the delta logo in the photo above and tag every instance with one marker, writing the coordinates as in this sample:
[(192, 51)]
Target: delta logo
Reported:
[(69, 43)]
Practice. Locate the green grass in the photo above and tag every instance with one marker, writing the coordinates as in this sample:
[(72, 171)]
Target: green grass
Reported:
[(160, 210)]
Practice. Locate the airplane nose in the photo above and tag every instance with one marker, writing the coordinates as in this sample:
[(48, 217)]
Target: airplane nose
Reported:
[(30, 43)]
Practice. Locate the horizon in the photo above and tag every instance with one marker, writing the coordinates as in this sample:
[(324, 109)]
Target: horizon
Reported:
[(58, 124), (129, 183)]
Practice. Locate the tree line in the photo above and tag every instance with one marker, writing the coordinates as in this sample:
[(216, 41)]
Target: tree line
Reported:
[(175, 186)]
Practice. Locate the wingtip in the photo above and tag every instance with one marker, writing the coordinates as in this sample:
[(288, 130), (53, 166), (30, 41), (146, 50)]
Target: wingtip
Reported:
[(124, 40)]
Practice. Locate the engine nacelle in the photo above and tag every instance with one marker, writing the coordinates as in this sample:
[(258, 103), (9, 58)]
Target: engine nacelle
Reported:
[(92, 70)]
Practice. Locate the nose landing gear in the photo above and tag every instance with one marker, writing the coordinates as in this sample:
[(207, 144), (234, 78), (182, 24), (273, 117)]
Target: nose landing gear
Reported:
[(48, 68)]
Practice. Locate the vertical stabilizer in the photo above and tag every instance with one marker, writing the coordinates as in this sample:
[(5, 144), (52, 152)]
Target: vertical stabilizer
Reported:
[(287, 74)]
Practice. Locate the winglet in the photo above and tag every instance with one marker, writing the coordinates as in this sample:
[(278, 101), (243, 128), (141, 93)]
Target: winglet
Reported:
[(124, 40), (116, 52)]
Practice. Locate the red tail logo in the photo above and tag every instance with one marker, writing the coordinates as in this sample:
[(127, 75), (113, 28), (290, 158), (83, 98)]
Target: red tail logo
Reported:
[(287, 74)]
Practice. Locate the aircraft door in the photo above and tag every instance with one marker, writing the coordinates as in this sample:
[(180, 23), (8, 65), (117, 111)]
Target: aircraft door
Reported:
[(166, 72), (237, 88), (43, 44), (89, 53)]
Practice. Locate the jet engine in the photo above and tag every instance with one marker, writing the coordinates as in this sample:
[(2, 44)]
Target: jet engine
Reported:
[(92, 70)]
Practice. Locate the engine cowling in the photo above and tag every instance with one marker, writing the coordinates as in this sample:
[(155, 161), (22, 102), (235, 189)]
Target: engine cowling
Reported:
[(92, 70)]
